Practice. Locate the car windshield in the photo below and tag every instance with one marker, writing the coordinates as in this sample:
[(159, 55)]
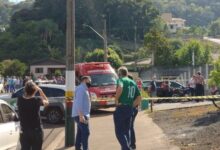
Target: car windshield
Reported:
[(103, 79)]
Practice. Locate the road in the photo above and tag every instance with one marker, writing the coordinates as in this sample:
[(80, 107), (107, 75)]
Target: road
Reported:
[(51, 131)]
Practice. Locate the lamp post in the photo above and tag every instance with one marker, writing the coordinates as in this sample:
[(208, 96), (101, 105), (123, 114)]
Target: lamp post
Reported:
[(103, 37), (70, 73)]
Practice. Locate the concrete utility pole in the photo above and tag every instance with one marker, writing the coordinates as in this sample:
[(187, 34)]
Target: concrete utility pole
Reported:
[(70, 73), (105, 42)]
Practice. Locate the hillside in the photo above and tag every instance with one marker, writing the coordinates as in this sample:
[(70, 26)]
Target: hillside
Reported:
[(196, 12)]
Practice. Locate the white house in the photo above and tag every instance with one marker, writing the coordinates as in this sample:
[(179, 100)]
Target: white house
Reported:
[(173, 24), (47, 67)]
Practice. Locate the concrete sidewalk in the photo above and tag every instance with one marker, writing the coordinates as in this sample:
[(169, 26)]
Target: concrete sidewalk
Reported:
[(149, 135)]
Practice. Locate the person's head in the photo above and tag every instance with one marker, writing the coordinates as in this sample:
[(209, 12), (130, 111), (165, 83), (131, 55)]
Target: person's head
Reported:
[(86, 80), (198, 73), (30, 88), (122, 72)]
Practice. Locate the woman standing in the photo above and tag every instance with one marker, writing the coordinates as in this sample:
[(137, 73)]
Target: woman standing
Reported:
[(31, 135)]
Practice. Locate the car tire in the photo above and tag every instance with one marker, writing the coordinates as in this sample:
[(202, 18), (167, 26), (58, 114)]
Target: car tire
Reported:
[(54, 115)]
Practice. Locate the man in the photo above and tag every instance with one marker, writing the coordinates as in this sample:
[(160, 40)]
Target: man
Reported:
[(153, 87), (200, 82), (127, 97), (192, 85), (81, 113)]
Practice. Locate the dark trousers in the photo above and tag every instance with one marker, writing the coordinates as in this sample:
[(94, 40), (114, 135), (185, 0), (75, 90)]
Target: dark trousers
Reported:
[(122, 120), (31, 139), (82, 135), (199, 91), (133, 137)]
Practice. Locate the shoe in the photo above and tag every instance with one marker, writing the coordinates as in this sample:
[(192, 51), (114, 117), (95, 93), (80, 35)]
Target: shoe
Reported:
[(133, 148)]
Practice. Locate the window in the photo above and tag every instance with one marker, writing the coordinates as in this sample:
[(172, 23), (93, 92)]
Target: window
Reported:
[(103, 79), (53, 92), (39, 70), (19, 93), (7, 113)]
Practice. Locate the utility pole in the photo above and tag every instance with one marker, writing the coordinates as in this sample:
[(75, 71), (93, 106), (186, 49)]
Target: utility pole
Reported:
[(193, 61), (135, 37), (70, 73), (105, 42)]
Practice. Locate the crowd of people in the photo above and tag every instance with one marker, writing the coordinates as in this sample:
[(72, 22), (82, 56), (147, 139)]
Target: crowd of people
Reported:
[(13, 83)]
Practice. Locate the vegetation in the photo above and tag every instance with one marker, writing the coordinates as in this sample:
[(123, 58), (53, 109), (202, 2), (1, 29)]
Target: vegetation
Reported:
[(196, 12), (12, 68), (98, 55)]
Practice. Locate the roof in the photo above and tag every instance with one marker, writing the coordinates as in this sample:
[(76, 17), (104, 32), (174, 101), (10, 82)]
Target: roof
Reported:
[(147, 61), (49, 62), (58, 86)]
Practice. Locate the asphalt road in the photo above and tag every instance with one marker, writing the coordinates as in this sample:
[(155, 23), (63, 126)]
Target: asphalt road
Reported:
[(51, 131)]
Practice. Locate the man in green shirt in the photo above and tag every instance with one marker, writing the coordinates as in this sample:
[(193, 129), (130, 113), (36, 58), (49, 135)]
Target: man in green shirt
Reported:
[(127, 97)]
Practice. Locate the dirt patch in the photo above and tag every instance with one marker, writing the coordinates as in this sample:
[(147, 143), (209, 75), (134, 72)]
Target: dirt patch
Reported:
[(196, 128)]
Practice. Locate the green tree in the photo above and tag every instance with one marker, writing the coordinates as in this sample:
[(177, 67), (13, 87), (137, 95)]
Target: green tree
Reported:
[(98, 56), (159, 46), (215, 74), (201, 52), (13, 68), (214, 28)]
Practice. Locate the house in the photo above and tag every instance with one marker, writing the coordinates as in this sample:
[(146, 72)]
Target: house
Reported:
[(173, 24), (47, 67)]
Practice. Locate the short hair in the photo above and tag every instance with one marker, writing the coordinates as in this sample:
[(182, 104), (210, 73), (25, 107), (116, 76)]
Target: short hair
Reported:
[(199, 73), (123, 71), (30, 88), (84, 78)]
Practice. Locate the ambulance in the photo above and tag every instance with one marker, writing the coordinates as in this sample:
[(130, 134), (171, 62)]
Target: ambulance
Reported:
[(103, 82)]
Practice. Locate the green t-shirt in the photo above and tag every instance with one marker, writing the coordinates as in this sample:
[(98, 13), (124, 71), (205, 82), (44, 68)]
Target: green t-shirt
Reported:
[(130, 91)]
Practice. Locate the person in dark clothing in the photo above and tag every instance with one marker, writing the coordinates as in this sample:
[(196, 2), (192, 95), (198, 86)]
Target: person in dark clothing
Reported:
[(132, 131), (31, 135)]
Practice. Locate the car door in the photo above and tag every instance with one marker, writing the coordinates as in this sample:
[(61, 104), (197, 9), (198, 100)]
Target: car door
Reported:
[(3, 133), (11, 127)]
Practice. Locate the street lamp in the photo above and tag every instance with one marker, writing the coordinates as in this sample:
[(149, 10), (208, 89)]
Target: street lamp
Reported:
[(103, 37)]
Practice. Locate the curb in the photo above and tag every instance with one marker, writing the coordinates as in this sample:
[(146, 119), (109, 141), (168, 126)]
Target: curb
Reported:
[(53, 145)]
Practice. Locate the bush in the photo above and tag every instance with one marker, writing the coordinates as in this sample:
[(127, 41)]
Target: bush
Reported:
[(13, 68), (98, 56)]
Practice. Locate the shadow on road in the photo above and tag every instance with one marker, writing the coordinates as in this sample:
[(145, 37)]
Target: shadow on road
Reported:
[(94, 114), (208, 119)]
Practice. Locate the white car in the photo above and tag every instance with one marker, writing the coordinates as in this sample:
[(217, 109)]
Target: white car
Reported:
[(9, 127)]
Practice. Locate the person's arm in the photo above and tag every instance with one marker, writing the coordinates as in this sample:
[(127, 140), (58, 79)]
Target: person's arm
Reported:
[(118, 94), (138, 98), (45, 101), (137, 101), (80, 98)]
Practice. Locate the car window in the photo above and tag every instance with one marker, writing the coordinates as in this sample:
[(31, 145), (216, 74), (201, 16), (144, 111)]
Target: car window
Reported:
[(175, 85), (53, 92), (7, 113), (18, 93)]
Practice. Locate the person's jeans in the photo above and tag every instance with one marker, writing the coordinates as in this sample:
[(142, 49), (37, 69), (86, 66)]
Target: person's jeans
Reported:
[(82, 135), (122, 120), (133, 137), (31, 139)]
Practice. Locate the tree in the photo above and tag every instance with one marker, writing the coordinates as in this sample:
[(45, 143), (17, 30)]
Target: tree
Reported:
[(215, 74), (98, 56), (158, 45), (202, 53), (13, 68), (214, 28)]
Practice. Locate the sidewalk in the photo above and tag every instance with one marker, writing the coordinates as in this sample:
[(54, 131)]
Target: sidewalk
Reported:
[(149, 135)]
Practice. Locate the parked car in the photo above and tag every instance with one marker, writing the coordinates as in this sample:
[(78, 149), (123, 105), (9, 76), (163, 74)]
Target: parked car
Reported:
[(9, 126), (167, 88), (55, 111)]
